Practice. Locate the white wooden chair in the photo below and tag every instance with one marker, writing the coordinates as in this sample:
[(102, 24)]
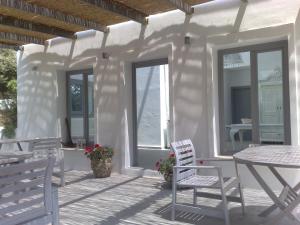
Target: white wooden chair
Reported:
[(27, 195), (185, 174), (46, 147)]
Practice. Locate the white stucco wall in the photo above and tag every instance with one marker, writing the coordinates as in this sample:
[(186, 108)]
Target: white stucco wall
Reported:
[(193, 71)]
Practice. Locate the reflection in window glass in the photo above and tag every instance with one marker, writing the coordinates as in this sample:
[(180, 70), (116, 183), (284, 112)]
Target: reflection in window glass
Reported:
[(237, 102), (81, 106), (91, 108), (271, 124), (76, 83), (76, 99)]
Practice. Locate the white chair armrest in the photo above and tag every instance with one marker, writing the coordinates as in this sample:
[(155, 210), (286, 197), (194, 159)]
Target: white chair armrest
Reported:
[(216, 159), (197, 167)]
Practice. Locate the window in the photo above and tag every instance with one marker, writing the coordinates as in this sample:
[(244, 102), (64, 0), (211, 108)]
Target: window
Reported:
[(253, 93), (151, 103), (80, 94)]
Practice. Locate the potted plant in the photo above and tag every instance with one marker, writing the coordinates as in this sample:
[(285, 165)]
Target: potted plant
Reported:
[(101, 160), (165, 167)]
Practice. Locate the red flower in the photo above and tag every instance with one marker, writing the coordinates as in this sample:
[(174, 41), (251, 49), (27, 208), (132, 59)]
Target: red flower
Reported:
[(88, 149), (172, 155), (97, 145), (157, 165)]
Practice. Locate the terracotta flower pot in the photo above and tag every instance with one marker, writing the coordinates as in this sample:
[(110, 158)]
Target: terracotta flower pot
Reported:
[(101, 168), (168, 178)]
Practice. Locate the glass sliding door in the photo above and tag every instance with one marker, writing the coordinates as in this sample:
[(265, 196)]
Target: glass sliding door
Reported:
[(76, 99), (254, 102), (151, 106), (270, 97), (90, 108), (237, 114), (80, 92)]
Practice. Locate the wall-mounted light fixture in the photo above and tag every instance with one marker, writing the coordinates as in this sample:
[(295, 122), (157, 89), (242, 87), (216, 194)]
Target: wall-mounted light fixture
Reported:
[(187, 40), (105, 55), (34, 68)]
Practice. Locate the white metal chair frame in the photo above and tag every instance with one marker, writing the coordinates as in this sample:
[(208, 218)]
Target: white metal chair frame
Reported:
[(27, 195), (47, 147), (185, 175)]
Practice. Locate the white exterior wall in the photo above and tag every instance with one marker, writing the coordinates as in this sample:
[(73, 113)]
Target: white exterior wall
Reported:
[(193, 71)]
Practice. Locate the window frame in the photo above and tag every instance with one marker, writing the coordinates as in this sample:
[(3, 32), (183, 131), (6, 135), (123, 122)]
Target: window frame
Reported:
[(136, 65), (254, 50), (85, 73)]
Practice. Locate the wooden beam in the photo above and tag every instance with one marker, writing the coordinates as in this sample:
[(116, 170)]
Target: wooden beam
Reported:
[(9, 46), (45, 12), (11, 38), (26, 25), (183, 6), (121, 9)]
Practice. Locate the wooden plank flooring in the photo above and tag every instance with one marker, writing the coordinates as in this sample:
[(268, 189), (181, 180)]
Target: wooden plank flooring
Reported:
[(129, 200)]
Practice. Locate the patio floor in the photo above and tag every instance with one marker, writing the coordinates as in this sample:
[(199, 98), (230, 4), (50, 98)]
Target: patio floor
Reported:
[(129, 200)]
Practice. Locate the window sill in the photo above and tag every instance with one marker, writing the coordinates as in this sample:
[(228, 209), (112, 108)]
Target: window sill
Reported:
[(73, 149), (153, 149)]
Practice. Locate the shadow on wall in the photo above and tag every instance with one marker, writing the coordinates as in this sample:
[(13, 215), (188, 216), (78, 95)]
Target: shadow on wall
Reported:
[(38, 90)]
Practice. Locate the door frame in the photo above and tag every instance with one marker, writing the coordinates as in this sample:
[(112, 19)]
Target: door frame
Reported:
[(147, 63), (84, 73), (254, 50)]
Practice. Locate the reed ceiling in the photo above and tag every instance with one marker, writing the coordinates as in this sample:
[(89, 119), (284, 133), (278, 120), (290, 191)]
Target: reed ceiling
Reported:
[(34, 21)]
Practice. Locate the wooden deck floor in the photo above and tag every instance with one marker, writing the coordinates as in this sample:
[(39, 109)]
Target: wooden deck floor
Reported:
[(128, 200)]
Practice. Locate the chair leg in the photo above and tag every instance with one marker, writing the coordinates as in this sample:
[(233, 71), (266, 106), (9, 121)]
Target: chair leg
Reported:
[(242, 199), (62, 174), (62, 179), (225, 207), (174, 189), (195, 196)]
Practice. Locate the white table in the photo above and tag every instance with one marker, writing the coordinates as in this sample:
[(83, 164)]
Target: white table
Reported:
[(238, 128), (274, 157)]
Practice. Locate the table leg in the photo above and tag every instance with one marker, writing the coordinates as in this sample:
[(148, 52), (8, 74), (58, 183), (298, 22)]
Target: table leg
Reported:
[(19, 146), (241, 137), (232, 134), (284, 194), (285, 210)]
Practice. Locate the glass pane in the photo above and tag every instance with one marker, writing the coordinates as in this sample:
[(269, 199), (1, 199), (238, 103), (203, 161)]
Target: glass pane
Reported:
[(76, 100), (148, 106), (237, 102), (270, 94), (91, 108)]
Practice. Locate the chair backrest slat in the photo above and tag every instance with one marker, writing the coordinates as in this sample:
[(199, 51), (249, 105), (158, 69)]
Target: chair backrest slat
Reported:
[(14, 187), (24, 217), (20, 168), (44, 147), (24, 191), (49, 147), (22, 195), (185, 156), (8, 180)]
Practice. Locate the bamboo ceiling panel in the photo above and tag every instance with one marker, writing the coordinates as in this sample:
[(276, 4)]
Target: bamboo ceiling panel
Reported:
[(82, 10), (33, 21), (149, 7), (11, 42), (15, 30), (196, 2), (40, 19), (152, 7)]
